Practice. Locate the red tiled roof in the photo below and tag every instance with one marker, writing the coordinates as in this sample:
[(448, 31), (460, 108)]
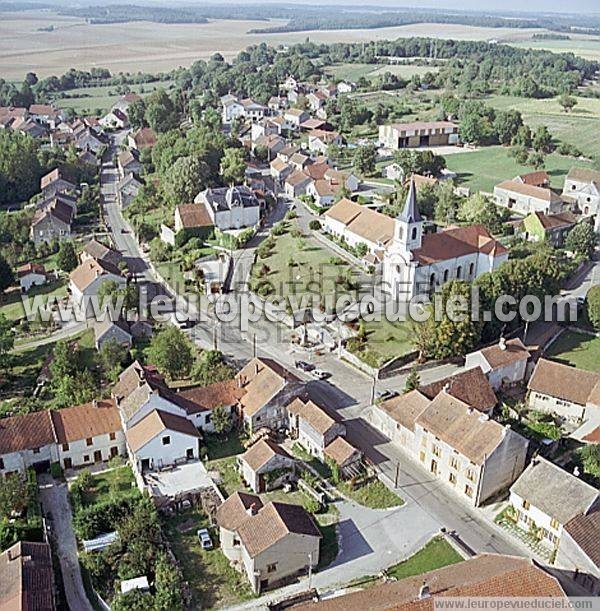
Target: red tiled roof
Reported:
[(457, 242)]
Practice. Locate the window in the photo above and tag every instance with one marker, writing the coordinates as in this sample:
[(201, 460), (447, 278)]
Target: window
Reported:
[(1, 463), (454, 462), (446, 276), (65, 447), (89, 441), (86, 458), (471, 269), (452, 478), (414, 233), (432, 279), (271, 568), (166, 441), (468, 491), (423, 441), (471, 475), (525, 504), (436, 451), (208, 418), (236, 542), (459, 271), (36, 450), (422, 456), (112, 436), (554, 524)]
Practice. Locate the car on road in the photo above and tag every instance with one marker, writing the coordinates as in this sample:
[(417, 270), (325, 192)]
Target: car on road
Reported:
[(320, 374), (124, 230), (384, 395), (204, 539), (304, 366)]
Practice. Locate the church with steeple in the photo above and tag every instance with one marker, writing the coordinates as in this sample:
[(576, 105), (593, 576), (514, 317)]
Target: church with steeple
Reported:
[(416, 263)]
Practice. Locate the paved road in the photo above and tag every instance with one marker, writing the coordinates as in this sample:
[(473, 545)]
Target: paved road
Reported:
[(54, 499)]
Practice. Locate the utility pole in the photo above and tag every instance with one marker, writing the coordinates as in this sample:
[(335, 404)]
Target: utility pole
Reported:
[(309, 570), (373, 390), (397, 477)]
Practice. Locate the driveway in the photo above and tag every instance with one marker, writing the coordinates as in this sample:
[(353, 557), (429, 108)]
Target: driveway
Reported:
[(55, 500)]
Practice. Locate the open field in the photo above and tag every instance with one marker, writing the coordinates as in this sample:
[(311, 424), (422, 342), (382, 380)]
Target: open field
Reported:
[(586, 46), (578, 127), (153, 47), (102, 97), (578, 350), (481, 170), (353, 72)]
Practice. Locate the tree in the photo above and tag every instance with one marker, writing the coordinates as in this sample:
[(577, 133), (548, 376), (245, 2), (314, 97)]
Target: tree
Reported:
[(413, 380), (542, 140), (211, 367), (581, 239), (590, 458), (67, 257), (113, 356), (185, 179), (477, 210), (7, 339), (364, 159), (536, 159), (136, 113), (20, 167), (15, 494), (221, 420), (160, 112), (233, 166), (172, 352), (447, 203), (568, 102), (167, 584), (7, 277), (592, 304), (454, 334)]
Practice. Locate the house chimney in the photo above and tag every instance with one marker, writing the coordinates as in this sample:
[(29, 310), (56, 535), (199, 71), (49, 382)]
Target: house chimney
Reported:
[(502, 344), (424, 591), (251, 511)]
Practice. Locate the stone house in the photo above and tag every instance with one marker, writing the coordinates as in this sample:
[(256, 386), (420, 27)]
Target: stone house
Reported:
[(313, 427), (525, 199), (568, 392), (271, 543), (546, 498), (265, 466), (504, 363)]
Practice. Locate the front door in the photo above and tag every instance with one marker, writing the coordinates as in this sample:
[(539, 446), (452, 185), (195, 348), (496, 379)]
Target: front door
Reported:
[(434, 467), (114, 451), (68, 463), (261, 482), (97, 456)]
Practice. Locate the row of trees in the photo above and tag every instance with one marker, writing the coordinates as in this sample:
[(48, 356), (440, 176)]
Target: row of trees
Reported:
[(540, 274)]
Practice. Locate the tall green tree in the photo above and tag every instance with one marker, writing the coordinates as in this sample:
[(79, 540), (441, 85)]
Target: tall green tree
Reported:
[(172, 352), (233, 166), (581, 239), (67, 257), (364, 160), (592, 304)]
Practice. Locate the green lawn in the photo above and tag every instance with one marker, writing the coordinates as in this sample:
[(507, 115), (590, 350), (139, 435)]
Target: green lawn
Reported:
[(481, 170), (435, 555), (353, 72), (385, 341), (589, 48), (577, 127), (578, 350), (118, 482), (311, 273), (19, 379), (102, 97), (213, 582), (375, 495), (11, 303)]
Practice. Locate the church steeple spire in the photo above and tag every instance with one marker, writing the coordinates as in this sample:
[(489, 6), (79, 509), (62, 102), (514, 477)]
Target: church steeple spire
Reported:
[(410, 212)]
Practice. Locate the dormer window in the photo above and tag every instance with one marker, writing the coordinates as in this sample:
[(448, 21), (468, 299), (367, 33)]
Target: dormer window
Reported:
[(414, 233), (166, 440)]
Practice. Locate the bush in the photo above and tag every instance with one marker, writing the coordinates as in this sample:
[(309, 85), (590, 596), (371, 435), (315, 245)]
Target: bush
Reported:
[(89, 522), (315, 225)]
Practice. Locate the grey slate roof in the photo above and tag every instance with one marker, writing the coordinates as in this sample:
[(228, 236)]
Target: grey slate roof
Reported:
[(554, 491)]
